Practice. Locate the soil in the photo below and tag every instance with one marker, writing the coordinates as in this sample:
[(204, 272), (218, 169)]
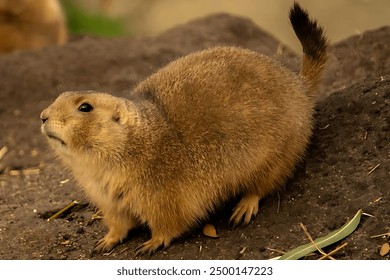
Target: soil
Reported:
[(351, 138)]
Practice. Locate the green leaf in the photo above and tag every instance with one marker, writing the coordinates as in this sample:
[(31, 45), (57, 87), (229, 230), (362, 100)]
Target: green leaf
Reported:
[(327, 240)]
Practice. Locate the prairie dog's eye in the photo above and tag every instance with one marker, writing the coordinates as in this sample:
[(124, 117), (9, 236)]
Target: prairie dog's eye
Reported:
[(85, 107)]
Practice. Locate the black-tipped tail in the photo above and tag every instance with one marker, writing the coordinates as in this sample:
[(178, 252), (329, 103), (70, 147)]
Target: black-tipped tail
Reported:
[(314, 45)]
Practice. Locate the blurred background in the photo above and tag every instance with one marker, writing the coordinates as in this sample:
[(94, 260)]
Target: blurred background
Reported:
[(342, 18)]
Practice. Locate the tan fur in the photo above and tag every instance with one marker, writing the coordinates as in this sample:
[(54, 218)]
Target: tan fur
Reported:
[(209, 126), (31, 24)]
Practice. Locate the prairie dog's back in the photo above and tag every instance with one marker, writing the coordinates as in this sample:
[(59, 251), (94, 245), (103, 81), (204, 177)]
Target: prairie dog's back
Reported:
[(223, 85), (224, 98)]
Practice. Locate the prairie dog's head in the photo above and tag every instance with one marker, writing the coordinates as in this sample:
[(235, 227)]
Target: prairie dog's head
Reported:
[(79, 124)]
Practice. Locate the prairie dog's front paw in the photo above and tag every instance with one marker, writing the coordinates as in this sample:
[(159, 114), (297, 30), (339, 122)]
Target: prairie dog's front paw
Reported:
[(106, 244)]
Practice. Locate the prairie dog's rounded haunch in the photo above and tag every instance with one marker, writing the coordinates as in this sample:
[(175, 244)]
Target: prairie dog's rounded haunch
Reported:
[(31, 24), (211, 125)]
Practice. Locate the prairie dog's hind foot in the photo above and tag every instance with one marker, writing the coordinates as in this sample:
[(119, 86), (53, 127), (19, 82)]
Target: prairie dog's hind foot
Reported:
[(151, 246), (245, 210)]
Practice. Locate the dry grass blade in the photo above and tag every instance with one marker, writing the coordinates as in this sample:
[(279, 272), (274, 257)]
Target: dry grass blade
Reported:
[(276, 250), (97, 216), (381, 235), (373, 169), (64, 181), (312, 241), (31, 171), (334, 251), (327, 240), (242, 251), (3, 151), (56, 215)]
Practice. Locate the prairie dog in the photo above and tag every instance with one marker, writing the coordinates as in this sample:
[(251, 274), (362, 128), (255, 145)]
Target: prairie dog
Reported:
[(209, 126), (31, 24)]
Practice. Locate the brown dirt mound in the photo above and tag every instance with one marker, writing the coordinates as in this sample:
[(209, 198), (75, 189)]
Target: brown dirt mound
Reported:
[(351, 138)]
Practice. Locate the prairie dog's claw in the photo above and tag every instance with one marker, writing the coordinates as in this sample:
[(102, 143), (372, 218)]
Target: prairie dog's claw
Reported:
[(245, 210), (105, 245), (150, 246)]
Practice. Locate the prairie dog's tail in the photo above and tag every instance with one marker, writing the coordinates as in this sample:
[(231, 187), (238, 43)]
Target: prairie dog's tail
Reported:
[(314, 45)]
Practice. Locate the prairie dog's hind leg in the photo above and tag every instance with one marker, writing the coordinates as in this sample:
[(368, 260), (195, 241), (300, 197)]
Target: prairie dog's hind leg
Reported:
[(245, 209)]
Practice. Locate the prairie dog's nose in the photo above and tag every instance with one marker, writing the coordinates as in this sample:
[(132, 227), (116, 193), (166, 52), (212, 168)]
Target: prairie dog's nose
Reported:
[(44, 116)]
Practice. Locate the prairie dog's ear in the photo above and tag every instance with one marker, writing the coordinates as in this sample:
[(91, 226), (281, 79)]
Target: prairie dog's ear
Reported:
[(125, 113)]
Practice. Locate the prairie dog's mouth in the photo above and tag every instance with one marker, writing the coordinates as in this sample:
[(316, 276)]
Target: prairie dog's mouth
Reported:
[(52, 135), (56, 138)]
